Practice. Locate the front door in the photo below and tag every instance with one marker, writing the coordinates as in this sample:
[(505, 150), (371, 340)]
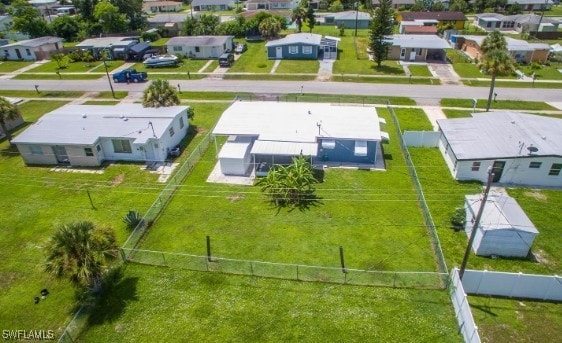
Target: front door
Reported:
[(60, 154), (402, 54), (497, 169), (18, 53), (413, 55), (279, 52), (214, 52)]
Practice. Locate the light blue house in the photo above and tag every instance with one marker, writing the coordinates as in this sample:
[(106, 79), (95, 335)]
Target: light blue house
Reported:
[(261, 134), (349, 19), (302, 46)]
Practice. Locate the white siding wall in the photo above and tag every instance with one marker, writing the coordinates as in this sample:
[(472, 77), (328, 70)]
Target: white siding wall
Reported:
[(46, 156), (204, 51), (77, 156), (504, 242), (448, 156)]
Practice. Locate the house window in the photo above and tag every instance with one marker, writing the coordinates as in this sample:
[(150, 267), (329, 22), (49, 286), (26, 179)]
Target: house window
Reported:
[(176, 48), (293, 49), (402, 52), (181, 123), (475, 166), (419, 51), (172, 132), (535, 164), (555, 169), (35, 150), (197, 49), (307, 50), (6, 53), (28, 52), (122, 146), (88, 151)]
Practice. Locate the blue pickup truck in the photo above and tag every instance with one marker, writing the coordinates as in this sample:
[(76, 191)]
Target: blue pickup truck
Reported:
[(129, 75)]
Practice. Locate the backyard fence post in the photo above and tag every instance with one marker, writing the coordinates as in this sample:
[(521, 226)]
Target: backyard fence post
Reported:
[(343, 270), (90, 197), (209, 248), (164, 258)]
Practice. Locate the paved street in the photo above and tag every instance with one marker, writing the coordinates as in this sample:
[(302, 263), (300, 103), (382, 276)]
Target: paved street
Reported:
[(421, 93)]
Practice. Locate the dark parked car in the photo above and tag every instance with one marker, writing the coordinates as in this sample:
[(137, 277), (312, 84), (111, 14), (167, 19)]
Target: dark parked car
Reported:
[(226, 60), (240, 48)]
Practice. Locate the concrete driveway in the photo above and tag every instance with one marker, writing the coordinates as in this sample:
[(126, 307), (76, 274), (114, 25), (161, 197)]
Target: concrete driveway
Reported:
[(445, 73)]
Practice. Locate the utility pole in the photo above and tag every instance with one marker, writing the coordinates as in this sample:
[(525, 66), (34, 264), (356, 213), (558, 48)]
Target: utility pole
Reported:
[(476, 222)]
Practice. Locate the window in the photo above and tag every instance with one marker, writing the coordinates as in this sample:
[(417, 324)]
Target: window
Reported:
[(122, 146), (475, 166), (307, 50), (181, 123), (172, 132), (535, 164), (28, 52), (36, 150), (88, 151), (197, 49), (177, 48), (293, 49), (555, 169), (402, 52)]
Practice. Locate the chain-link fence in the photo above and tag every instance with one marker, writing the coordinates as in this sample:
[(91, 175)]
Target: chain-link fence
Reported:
[(418, 280), (323, 98)]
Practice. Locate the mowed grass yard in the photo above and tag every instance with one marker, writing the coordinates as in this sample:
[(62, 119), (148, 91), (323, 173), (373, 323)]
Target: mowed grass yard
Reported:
[(34, 201), (372, 214), (253, 60), (177, 305)]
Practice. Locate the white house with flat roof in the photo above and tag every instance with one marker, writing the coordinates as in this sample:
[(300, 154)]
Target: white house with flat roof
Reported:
[(264, 133), (504, 228), (87, 135), (521, 149), (199, 46), (31, 49)]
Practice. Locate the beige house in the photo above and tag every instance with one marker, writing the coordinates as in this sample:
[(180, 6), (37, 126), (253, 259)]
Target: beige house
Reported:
[(521, 51)]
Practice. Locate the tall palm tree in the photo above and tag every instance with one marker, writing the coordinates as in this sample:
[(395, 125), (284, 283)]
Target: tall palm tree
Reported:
[(496, 62), (81, 252), (494, 41), (298, 14), (160, 94), (8, 111)]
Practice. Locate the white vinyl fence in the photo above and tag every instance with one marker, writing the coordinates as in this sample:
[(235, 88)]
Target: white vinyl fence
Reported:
[(513, 285), (425, 139), (467, 327)]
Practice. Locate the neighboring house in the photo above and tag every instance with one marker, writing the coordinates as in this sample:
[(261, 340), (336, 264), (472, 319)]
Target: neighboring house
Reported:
[(137, 51), (13, 123), (6, 23), (199, 46), (87, 135), (531, 5), (118, 47), (162, 6), (396, 4), (303, 46), (522, 149), (418, 48), (31, 49), (522, 23), (271, 4), (444, 19), (262, 135), (418, 27), (504, 228), (349, 19), (169, 24), (521, 51), (212, 5)]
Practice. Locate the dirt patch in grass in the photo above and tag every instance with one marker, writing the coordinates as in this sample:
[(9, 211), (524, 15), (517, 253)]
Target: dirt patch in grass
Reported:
[(118, 180), (539, 256), (537, 195), (6, 279), (235, 197)]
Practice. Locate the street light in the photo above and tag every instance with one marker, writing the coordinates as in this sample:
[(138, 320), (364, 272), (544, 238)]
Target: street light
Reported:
[(356, 6)]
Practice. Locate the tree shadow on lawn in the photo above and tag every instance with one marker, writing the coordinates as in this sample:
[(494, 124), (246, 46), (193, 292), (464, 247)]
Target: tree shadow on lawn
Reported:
[(8, 150)]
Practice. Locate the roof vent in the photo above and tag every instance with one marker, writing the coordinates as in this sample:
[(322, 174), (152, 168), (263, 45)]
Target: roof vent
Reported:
[(513, 121), (532, 149), (309, 112), (125, 119), (122, 117), (543, 138), (84, 115)]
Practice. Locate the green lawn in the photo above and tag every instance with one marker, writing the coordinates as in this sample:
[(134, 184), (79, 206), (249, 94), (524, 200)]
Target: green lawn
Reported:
[(298, 66), (10, 66), (469, 70), (545, 73), (175, 305), (101, 102), (41, 94), (514, 84), (419, 70), (211, 67), (510, 320), (63, 76), (269, 77), (212, 95), (34, 200), (190, 65), (253, 60), (413, 119), (74, 67), (450, 113), (334, 98), (443, 194), (393, 80), (519, 105)]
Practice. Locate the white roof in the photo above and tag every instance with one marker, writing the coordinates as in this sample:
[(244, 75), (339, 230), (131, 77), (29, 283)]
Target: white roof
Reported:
[(420, 41), (299, 122), (105, 42), (85, 124), (284, 148), (301, 38), (501, 213), (502, 134), (512, 43), (234, 149)]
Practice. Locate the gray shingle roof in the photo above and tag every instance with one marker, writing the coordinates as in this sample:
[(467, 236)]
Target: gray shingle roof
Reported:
[(501, 135), (198, 40)]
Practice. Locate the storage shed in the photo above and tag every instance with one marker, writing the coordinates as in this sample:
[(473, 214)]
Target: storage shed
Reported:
[(235, 157), (504, 229)]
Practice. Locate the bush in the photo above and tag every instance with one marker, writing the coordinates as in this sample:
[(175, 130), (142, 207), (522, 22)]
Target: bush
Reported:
[(132, 219), (458, 219)]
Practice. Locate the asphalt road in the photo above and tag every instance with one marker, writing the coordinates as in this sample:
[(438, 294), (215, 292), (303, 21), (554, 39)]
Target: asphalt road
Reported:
[(424, 94)]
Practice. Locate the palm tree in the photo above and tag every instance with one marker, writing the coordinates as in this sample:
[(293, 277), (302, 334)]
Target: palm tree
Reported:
[(8, 111), (496, 62), (269, 27), (160, 94), (81, 252), (494, 41), (298, 14)]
